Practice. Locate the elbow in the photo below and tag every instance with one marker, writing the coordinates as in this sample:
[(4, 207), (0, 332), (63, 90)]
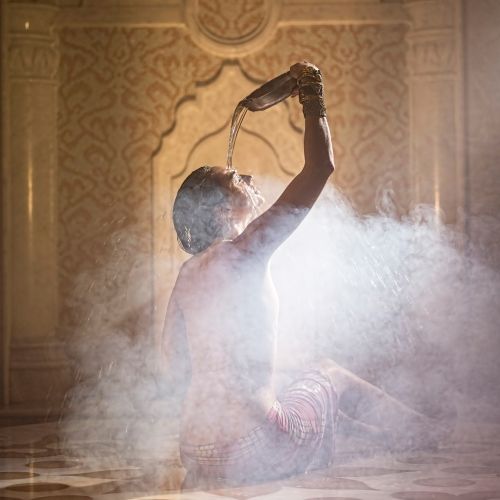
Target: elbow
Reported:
[(323, 168), (328, 168)]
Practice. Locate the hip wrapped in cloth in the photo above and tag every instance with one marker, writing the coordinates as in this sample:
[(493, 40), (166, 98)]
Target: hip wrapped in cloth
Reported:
[(297, 436)]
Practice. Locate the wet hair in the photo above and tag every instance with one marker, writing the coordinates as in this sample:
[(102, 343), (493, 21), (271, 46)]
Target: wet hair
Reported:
[(198, 209)]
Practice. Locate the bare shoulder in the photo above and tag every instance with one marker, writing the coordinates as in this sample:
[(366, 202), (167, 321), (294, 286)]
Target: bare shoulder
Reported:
[(220, 254), (214, 267)]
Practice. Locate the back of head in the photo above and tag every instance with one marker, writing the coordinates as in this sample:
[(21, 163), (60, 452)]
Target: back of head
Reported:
[(198, 206)]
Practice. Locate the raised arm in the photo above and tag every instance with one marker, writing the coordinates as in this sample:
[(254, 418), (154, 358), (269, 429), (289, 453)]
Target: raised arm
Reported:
[(272, 228)]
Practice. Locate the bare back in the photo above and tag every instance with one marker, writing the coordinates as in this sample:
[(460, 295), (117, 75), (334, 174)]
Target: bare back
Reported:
[(229, 308)]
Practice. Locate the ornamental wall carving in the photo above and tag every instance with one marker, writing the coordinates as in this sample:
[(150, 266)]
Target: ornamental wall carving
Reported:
[(32, 50), (229, 28), (121, 90), (433, 38), (133, 118), (230, 22), (431, 14), (33, 59), (433, 55)]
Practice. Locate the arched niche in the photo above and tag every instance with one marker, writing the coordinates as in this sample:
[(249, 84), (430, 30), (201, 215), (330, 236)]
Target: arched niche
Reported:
[(268, 146)]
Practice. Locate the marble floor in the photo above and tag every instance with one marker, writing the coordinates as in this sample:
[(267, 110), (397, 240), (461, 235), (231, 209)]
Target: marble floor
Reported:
[(36, 463)]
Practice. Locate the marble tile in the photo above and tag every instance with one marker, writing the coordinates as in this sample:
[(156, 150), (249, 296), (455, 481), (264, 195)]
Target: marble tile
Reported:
[(36, 463)]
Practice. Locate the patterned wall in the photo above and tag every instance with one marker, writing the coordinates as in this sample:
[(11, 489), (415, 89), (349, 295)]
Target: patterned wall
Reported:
[(118, 92), (119, 89), (367, 99), (229, 20)]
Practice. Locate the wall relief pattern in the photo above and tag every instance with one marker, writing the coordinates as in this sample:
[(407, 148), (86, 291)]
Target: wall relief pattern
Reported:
[(228, 20), (118, 94), (367, 99), (28, 59), (231, 29)]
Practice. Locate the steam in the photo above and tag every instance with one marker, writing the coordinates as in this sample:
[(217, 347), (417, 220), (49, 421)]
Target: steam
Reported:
[(403, 302), (115, 400)]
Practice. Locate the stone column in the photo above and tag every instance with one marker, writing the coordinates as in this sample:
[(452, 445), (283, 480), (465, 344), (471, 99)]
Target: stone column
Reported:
[(30, 201), (4, 358), (435, 81)]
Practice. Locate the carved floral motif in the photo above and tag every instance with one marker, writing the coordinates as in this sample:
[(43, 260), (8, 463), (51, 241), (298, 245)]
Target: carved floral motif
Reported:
[(119, 92), (33, 59), (432, 43), (431, 14), (229, 21), (434, 54), (231, 29), (364, 69)]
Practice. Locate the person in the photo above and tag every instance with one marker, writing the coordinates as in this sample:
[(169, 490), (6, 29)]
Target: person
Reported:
[(234, 427)]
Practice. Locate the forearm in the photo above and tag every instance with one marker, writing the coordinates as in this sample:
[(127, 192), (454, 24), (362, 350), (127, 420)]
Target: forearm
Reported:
[(305, 188), (270, 229), (318, 150)]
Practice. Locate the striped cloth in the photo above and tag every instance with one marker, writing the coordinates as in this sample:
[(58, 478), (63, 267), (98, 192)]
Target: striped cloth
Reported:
[(297, 436)]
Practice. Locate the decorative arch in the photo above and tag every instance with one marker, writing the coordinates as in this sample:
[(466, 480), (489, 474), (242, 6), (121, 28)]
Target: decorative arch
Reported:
[(232, 29), (268, 147)]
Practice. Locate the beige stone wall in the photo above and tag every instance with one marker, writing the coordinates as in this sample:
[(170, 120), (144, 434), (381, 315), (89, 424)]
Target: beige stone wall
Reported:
[(3, 154), (145, 93), (367, 96), (119, 90), (34, 366)]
